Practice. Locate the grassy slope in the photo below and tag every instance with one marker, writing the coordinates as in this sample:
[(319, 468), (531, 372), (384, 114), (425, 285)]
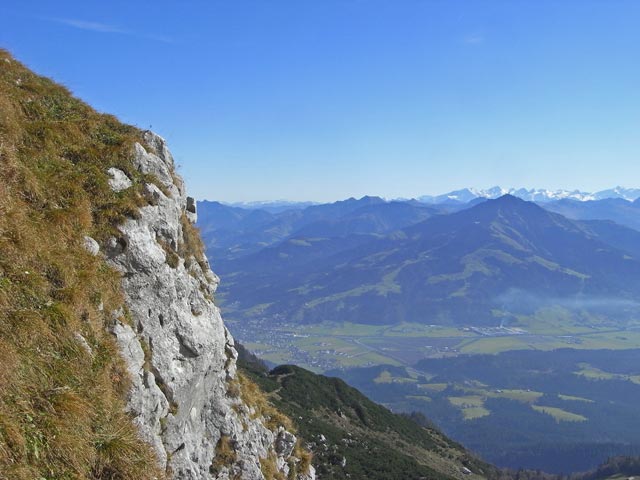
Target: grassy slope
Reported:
[(62, 382), (61, 406), (376, 443)]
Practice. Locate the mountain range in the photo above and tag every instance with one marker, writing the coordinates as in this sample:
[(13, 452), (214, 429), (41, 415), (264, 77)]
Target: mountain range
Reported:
[(231, 232), (533, 194), (468, 194), (620, 211), (376, 262)]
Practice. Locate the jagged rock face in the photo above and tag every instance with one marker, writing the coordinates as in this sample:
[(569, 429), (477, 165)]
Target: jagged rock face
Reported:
[(180, 355)]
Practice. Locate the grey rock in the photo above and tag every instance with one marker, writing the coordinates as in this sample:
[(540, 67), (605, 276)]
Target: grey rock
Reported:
[(285, 442), (158, 162), (91, 246), (83, 343), (180, 356), (118, 180), (192, 215), (191, 205)]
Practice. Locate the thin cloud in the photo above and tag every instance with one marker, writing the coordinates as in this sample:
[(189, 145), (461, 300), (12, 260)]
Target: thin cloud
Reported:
[(106, 28), (474, 39), (91, 26)]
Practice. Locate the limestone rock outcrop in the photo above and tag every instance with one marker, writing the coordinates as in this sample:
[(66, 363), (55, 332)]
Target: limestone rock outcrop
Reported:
[(179, 354)]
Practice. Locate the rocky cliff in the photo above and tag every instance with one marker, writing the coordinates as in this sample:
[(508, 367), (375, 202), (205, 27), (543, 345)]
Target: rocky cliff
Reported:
[(184, 395), (114, 360)]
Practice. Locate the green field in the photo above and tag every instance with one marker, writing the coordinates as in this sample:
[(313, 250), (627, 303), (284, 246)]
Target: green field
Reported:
[(329, 345), (386, 377), (559, 414), (525, 396), (435, 387), (618, 340), (471, 406), (472, 403), (593, 373), (571, 398), (472, 413)]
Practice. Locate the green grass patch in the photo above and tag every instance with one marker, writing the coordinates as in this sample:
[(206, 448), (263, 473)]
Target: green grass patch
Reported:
[(525, 396), (412, 330), (593, 373), (475, 412), (367, 359), (571, 398), (471, 406), (434, 387), (559, 414), (494, 345), (344, 329), (384, 377)]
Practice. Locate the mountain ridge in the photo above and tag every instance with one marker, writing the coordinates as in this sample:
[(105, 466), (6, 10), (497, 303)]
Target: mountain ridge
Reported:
[(532, 194), (506, 242), (464, 195)]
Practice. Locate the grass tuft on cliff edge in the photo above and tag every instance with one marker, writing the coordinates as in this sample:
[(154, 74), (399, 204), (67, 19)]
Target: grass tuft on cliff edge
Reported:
[(62, 383)]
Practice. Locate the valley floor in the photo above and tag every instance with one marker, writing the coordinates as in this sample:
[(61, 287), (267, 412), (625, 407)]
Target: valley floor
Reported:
[(329, 346), (541, 393)]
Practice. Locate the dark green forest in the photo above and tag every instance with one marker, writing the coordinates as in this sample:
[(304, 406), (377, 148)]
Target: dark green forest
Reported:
[(595, 403)]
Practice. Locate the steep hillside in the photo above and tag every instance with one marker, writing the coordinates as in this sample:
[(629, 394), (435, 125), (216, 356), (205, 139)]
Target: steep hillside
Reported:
[(62, 383), (352, 437), (115, 361), (477, 266)]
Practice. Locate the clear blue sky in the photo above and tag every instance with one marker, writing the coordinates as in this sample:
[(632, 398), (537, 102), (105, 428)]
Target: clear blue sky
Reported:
[(325, 99)]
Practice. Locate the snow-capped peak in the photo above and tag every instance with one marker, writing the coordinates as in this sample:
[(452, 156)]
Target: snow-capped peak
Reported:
[(533, 194)]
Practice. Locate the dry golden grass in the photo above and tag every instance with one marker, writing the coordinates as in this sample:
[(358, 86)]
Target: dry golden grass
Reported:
[(254, 397), (302, 464), (225, 454), (172, 258), (61, 406), (269, 468), (191, 248)]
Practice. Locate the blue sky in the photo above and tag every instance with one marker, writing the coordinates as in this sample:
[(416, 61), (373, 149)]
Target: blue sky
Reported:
[(326, 99)]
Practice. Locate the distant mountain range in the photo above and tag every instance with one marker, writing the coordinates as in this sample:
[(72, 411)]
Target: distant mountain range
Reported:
[(466, 195), (617, 210), (371, 261), (231, 232), (273, 206), (533, 195)]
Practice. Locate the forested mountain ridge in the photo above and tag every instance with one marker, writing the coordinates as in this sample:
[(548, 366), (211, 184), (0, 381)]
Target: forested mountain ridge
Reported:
[(353, 437), (468, 267)]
